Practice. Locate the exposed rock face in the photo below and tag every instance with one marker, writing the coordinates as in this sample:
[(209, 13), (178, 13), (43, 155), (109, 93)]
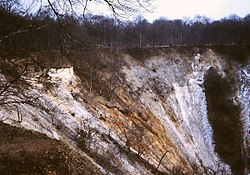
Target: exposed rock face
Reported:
[(244, 100), (174, 113)]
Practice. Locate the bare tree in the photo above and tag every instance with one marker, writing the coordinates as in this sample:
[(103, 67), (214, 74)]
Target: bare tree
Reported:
[(14, 85), (136, 138), (19, 115), (86, 135), (121, 8), (10, 78), (10, 5)]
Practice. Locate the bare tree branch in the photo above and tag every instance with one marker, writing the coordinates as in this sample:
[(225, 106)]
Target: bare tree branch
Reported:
[(117, 7), (161, 160), (12, 82), (21, 31)]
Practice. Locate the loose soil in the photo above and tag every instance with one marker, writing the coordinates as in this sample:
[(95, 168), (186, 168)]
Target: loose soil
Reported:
[(27, 152)]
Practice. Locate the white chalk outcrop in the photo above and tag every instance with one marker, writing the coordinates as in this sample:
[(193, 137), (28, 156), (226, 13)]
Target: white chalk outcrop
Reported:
[(168, 91)]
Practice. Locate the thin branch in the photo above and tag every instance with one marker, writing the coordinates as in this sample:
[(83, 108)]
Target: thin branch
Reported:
[(161, 160), (85, 8), (21, 31), (111, 6), (12, 82), (30, 6), (55, 11)]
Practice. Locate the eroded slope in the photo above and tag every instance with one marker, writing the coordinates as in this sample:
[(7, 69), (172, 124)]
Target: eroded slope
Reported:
[(138, 117)]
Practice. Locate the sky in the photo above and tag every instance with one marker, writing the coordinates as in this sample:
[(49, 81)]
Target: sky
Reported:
[(179, 9), (214, 9)]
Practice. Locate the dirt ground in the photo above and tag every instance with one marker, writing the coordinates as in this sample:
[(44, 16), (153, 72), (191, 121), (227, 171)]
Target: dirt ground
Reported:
[(24, 152)]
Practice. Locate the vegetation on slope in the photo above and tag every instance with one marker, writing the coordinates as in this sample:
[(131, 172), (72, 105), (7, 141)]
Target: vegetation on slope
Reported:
[(224, 116), (28, 152)]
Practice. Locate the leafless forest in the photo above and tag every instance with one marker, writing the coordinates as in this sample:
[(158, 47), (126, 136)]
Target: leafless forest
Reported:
[(47, 29)]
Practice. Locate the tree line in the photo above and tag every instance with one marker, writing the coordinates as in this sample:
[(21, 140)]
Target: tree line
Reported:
[(44, 31)]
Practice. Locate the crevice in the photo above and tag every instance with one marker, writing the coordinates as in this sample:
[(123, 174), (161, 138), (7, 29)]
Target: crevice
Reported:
[(224, 116)]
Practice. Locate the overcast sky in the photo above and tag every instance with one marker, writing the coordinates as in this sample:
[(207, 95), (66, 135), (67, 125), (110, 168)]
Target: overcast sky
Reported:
[(178, 9), (214, 9)]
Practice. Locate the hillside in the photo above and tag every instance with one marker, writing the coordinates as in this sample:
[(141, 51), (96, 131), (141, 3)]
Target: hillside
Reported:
[(173, 110), (28, 152)]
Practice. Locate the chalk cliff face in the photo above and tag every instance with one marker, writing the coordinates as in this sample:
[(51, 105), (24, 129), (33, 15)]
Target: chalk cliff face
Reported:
[(172, 113)]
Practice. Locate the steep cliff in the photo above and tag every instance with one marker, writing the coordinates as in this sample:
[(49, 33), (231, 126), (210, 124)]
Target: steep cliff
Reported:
[(162, 111)]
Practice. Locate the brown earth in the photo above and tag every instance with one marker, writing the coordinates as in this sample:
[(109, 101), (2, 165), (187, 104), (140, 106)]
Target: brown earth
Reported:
[(27, 152)]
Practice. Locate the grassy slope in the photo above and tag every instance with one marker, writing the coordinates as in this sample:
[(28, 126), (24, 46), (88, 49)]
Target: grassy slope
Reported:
[(27, 152)]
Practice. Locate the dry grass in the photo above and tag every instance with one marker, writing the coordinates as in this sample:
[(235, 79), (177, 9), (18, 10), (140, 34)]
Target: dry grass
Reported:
[(27, 152)]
